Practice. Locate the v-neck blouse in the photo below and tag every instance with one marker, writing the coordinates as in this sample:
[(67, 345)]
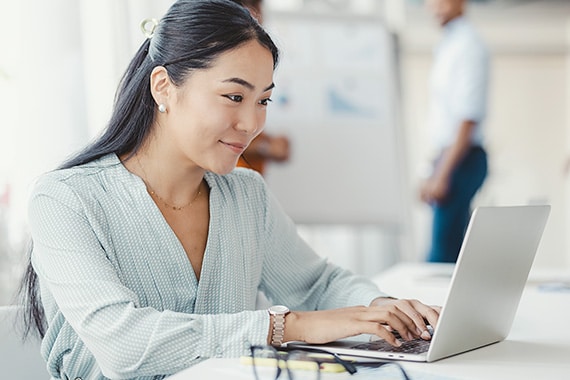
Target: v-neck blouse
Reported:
[(120, 295)]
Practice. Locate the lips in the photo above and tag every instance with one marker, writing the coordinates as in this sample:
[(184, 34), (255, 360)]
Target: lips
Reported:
[(236, 147)]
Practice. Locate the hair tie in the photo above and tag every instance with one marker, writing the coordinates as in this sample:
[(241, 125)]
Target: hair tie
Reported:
[(148, 26)]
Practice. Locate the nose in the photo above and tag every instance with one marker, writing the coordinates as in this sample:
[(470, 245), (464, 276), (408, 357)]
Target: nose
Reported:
[(251, 120)]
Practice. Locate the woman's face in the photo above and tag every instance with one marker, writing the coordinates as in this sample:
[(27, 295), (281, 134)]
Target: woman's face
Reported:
[(220, 110)]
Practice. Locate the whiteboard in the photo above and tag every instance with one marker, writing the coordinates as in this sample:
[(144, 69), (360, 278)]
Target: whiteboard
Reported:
[(336, 99)]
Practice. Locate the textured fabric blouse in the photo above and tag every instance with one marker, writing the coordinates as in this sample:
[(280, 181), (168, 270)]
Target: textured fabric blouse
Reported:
[(459, 83), (120, 295)]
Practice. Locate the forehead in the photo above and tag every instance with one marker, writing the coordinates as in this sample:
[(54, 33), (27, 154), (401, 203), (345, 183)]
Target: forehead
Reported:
[(250, 61)]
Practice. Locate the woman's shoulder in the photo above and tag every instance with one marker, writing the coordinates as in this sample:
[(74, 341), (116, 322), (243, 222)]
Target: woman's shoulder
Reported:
[(85, 175)]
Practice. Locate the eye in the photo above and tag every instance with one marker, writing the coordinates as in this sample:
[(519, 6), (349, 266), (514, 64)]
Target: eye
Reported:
[(265, 102), (235, 98)]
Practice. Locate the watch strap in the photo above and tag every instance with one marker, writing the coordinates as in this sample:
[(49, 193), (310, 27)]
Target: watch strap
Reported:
[(278, 330)]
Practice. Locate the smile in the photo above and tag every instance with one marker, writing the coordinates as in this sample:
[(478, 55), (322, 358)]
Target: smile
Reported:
[(234, 146)]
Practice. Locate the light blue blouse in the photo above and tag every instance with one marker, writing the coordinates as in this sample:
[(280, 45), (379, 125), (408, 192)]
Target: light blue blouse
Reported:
[(120, 296)]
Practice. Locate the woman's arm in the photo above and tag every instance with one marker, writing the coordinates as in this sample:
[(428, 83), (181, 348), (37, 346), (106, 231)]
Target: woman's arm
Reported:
[(405, 316), (327, 301)]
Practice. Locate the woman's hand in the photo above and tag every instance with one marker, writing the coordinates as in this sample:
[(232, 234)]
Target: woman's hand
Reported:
[(384, 314), (418, 312)]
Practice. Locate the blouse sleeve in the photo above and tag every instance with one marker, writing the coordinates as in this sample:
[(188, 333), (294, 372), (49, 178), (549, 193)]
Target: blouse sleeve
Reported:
[(126, 340), (294, 275)]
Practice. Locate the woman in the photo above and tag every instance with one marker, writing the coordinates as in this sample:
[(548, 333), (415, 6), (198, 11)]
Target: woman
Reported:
[(149, 248)]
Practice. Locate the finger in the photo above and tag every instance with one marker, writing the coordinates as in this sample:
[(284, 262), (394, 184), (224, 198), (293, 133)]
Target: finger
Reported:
[(407, 317), (395, 316), (429, 314), (399, 321), (374, 337), (381, 332), (419, 323), (419, 313), (432, 315)]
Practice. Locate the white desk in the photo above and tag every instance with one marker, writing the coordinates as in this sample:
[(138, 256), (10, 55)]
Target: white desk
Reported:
[(538, 346)]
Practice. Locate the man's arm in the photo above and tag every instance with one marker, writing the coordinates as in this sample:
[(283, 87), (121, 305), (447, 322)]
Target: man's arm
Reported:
[(436, 187)]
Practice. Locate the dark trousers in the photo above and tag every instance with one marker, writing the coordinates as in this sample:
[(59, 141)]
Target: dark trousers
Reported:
[(451, 216)]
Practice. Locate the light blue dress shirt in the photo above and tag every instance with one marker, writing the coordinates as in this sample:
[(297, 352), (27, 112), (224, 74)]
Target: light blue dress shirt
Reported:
[(120, 295), (459, 84)]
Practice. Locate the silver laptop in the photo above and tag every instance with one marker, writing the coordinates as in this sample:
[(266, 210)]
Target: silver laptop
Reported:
[(487, 283)]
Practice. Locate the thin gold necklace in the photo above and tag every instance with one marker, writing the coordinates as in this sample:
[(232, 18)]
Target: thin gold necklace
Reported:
[(153, 193)]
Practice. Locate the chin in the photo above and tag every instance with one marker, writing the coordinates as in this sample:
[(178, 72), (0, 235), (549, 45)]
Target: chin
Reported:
[(222, 169), (222, 172)]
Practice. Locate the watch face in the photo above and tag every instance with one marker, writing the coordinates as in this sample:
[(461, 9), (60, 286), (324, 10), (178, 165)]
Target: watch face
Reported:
[(278, 309)]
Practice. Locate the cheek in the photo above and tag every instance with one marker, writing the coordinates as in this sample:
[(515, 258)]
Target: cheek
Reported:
[(263, 113), (199, 118), (261, 118)]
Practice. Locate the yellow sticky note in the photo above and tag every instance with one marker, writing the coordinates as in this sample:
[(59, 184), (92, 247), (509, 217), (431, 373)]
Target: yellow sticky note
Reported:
[(294, 364)]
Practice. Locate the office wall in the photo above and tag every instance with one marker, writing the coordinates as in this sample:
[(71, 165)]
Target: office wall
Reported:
[(336, 98)]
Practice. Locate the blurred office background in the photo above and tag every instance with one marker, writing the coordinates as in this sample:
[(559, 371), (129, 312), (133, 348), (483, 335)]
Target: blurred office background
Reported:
[(61, 61)]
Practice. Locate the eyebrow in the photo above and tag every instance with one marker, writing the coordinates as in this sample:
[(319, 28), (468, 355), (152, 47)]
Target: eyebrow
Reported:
[(247, 84)]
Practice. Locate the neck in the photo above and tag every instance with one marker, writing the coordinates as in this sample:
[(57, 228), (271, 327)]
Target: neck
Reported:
[(452, 18), (166, 178)]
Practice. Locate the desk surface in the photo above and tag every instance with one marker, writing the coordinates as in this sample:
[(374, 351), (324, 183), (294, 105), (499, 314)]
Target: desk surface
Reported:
[(538, 346)]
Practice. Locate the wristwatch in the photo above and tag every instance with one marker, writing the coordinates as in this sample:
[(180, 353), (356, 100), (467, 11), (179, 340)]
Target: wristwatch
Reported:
[(278, 330)]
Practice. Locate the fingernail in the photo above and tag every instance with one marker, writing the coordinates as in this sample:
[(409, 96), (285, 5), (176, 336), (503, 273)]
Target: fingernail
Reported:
[(426, 335), (398, 343), (419, 331), (410, 336)]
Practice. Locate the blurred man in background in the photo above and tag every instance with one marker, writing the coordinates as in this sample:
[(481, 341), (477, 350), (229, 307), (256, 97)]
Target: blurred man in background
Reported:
[(459, 86)]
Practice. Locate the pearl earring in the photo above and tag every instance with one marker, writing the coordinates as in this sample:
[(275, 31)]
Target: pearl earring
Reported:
[(161, 108)]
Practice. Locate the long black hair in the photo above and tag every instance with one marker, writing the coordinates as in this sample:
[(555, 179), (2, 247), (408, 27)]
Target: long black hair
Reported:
[(191, 35)]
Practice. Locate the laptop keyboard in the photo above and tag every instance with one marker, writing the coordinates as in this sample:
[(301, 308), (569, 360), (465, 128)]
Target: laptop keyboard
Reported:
[(416, 346)]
